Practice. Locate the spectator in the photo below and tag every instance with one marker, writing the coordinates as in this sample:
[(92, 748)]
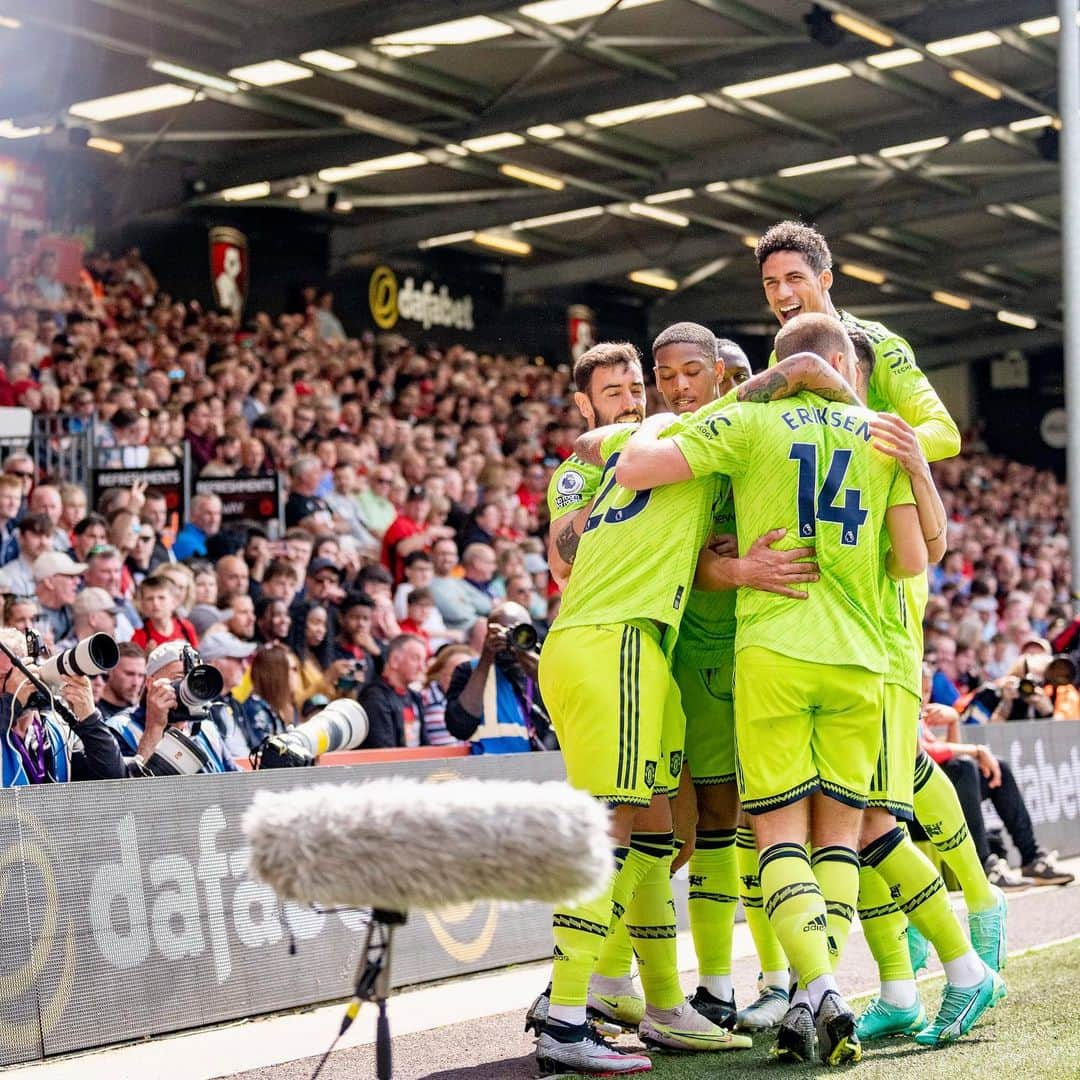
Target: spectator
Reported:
[(22, 466), (161, 624), (45, 499), (88, 534), (73, 503), (377, 512), (395, 711), (198, 434), (10, 503), (226, 459), (93, 612), (458, 602), (494, 701), (409, 533), (272, 621), (57, 581), (205, 523), (104, 570), (344, 504), (232, 575), (280, 582), (124, 683), (436, 683), (421, 607), (34, 538), (275, 681), (241, 620), (354, 643), (304, 506), (313, 650), (230, 656)]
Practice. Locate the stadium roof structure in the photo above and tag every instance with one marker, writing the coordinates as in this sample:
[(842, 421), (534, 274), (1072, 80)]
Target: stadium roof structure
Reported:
[(639, 143)]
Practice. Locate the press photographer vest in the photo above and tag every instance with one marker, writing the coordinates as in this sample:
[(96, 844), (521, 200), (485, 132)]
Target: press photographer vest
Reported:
[(57, 760), (503, 729), (129, 731)]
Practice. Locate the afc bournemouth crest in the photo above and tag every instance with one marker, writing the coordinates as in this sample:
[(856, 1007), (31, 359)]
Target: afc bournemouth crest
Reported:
[(229, 269), (581, 329)]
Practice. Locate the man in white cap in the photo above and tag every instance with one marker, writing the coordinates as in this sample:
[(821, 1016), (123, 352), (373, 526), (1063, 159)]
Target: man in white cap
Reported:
[(139, 731), (230, 655), (57, 581), (93, 612)]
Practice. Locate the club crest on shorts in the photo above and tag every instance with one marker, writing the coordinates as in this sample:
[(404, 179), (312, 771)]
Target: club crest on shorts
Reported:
[(676, 762), (650, 773)]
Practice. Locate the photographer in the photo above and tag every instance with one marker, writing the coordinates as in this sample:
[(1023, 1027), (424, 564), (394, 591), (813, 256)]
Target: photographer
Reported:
[(494, 702), (38, 747), (1028, 692), (139, 731)]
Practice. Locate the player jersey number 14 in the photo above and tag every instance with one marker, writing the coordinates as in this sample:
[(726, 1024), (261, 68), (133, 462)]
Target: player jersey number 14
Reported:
[(821, 505)]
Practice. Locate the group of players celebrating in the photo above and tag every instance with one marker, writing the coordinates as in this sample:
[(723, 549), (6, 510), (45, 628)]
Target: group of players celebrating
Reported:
[(736, 670)]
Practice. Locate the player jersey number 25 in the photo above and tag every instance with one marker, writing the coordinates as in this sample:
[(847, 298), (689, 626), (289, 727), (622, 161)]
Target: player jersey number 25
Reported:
[(821, 504), (614, 515)]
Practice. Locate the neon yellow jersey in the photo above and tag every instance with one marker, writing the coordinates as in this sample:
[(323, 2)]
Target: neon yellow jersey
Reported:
[(899, 386), (571, 487), (902, 606), (707, 634), (807, 467), (638, 552)]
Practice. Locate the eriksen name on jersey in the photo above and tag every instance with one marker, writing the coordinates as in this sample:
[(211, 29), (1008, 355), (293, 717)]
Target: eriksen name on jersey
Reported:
[(827, 417)]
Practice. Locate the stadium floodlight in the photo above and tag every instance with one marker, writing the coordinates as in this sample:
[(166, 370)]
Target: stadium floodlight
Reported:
[(655, 279), (486, 144), (259, 190), (792, 80), (391, 163), (895, 58), (1015, 318), (750, 240), (330, 61), (981, 39), (546, 131), (201, 78), (8, 130), (863, 273), (670, 196), (1041, 27), (980, 86), (532, 176), (133, 102), (270, 73), (560, 11), (961, 303), (975, 135), (557, 219), (667, 217), (828, 165), (342, 206), (423, 39), (647, 110), (853, 25), (106, 146), (922, 146), (446, 240), (1032, 123), (508, 245)]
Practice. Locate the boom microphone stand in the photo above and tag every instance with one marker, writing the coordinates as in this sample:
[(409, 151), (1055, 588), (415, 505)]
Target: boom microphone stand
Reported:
[(373, 984)]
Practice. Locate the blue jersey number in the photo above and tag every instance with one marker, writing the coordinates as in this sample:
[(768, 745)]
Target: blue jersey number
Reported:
[(815, 506), (615, 515)]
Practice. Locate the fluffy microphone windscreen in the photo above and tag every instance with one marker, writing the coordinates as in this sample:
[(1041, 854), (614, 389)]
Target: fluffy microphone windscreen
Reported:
[(399, 844)]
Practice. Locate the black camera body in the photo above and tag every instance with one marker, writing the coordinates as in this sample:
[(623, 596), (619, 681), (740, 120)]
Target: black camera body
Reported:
[(353, 679), (196, 690)]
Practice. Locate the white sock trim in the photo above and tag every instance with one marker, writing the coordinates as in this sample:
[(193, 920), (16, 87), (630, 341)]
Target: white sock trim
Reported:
[(720, 986), (567, 1014), (965, 971), (900, 993)]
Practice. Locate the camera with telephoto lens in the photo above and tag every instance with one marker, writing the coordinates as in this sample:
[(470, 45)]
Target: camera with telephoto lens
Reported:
[(523, 637), (352, 679), (196, 690), (342, 725), (94, 655)]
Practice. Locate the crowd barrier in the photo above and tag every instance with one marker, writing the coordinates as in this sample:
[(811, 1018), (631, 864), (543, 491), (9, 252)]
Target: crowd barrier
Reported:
[(128, 911)]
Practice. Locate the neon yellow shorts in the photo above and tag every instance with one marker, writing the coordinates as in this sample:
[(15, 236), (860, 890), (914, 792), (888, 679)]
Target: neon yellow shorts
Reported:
[(607, 689), (802, 727), (892, 785), (708, 704)]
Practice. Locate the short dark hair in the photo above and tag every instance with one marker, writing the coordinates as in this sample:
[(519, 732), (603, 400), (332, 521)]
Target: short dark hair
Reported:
[(87, 522), (420, 596), (129, 648), (688, 333), (376, 574), (280, 568), (802, 239), (864, 351), (356, 599), (415, 557), (607, 354), (154, 581), (40, 524)]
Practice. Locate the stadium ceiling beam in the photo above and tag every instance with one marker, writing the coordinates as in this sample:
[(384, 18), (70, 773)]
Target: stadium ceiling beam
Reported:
[(699, 249), (936, 22), (758, 159), (229, 39), (359, 22), (747, 16), (970, 349), (580, 42)]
